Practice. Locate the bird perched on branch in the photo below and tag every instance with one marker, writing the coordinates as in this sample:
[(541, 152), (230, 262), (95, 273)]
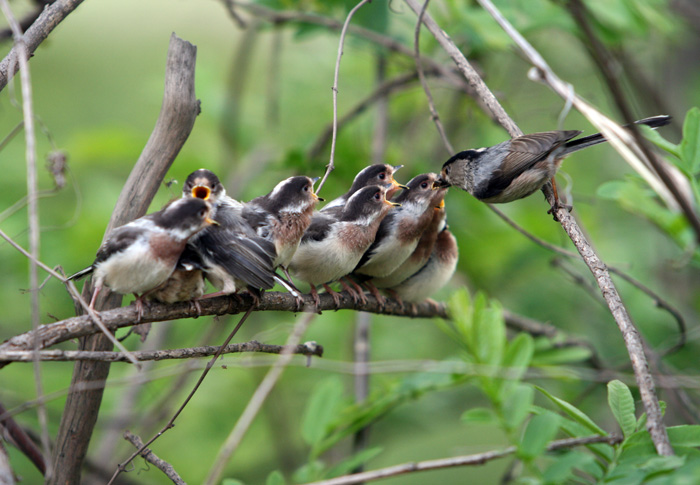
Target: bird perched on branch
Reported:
[(234, 256), (519, 167), (434, 274), (283, 215), (400, 231), (424, 248), (140, 256), (186, 283), (378, 174), (333, 245)]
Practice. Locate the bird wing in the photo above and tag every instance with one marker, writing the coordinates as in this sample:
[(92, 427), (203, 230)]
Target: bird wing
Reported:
[(319, 228), (119, 239), (521, 153), (247, 258)]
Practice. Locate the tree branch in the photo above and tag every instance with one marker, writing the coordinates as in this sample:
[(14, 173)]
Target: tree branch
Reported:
[(178, 113), (35, 35), (621, 142), (466, 460), (141, 356), (151, 457)]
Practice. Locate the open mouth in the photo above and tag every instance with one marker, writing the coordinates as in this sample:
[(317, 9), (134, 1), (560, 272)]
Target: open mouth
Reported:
[(201, 192)]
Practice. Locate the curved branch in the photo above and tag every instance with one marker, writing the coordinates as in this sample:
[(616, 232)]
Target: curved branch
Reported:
[(35, 35)]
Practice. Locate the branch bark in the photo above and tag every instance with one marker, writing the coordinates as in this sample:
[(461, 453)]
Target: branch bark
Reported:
[(178, 113), (151, 457), (35, 35), (148, 355)]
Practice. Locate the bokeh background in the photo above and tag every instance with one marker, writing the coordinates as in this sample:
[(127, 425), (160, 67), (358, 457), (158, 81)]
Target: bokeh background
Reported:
[(265, 94)]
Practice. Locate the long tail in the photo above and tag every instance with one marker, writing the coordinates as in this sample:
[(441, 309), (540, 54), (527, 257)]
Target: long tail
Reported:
[(587, 141), (82, 273)]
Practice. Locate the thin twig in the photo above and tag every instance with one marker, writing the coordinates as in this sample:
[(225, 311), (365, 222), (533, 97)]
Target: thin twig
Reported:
[(419, 68), (341, 42), (151, 457), (256, 401), (122, 466), (361, 351), (467, 460), (32, 211), (154, 355)]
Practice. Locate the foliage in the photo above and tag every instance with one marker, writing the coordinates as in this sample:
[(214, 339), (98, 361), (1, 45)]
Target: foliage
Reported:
[(463, 386)]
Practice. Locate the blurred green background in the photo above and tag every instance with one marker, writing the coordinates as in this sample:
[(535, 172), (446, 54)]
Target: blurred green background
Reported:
[(265, 94)]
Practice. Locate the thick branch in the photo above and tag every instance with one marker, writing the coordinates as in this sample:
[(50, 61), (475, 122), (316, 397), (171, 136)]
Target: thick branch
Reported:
[(80, 326), (179, 110), (35, 35), (467, 460)]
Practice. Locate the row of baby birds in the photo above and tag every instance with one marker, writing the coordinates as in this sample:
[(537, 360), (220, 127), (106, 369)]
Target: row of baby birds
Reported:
[(367, 238)]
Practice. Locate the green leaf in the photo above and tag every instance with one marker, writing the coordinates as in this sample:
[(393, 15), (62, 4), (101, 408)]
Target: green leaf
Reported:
[(576, 414), (517, 405), (540, 431), (661, 142), (562, 355), (346, 467), (275, 478), (322, 407), (479, 415), (690, 146), (310, 472), (489, 332), (231, 481), (561, 471), (621, 403), (518, 356), (684, 435), (461, 313)]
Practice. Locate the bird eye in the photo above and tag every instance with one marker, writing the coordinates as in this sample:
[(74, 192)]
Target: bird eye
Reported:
[(424, 185), (306, 188), (447, 170), (381, 176), (378, 196), (202, 213)]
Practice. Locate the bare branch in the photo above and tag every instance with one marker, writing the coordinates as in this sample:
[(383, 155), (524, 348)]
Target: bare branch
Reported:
[(141, 356), (7, 476), (32, 209), (341, 42), (151, 457), (467, 460), (35, 35), (178, 113)]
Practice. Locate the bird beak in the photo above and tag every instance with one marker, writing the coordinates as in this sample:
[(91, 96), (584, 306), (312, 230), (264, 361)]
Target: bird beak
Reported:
[(211, 221), (315, 179), (441, 205), (392, 204), (201, 192), (313, 194), (319, 199), (441, 183)]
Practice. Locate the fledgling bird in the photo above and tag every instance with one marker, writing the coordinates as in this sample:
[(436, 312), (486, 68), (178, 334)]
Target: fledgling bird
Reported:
[(400, 231), (519, 167), (377, 174), (332, 246), (233, 255), (186, 283), (140, 256), (421, 254), (436, 272), (283, 215)]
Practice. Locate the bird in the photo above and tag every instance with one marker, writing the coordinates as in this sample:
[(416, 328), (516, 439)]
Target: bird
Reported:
[(333, 245), (521, 166), (400, 231), (434, 274), (283, 215), (421, 254), (234, 257), (186, 283), (377, 174), (140, 256)]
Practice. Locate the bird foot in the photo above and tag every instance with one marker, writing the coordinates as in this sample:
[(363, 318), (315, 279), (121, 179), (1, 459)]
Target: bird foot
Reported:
[(375, 292), (396, 297), (334, 294), (316, 298), (356, 294)]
